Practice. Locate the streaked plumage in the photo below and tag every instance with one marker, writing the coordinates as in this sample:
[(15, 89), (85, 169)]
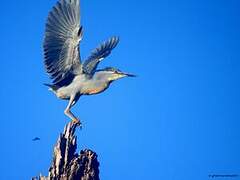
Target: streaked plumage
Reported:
[(71, 77)]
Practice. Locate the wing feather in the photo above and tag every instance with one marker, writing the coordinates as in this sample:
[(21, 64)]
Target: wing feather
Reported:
[(98, 54), (61, 43)]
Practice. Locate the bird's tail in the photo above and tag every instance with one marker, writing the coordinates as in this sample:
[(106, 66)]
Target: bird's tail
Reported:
[(52, 87)]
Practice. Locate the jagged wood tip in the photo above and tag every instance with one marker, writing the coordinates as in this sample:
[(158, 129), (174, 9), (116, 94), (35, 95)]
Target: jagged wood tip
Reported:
[(69, 165)]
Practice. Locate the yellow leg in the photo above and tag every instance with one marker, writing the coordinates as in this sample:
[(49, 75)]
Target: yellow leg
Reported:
[(68, 112)]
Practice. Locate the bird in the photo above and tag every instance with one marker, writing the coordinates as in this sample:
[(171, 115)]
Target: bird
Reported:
[(36, 139), (72, 77)]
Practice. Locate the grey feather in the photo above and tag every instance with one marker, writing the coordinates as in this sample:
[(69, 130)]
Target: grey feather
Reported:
[(61, 42), (91, 63)]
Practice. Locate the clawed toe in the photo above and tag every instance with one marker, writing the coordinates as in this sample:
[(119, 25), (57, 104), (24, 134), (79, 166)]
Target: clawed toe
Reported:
[(77, 122)]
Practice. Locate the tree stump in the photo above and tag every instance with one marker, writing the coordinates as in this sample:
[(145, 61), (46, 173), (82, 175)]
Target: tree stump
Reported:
[(69, 165)]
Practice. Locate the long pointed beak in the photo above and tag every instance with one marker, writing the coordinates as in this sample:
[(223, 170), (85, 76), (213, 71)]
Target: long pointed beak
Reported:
[(129, 75)]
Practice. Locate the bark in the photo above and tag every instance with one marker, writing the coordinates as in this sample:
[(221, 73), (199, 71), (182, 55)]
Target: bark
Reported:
[(69, 165)]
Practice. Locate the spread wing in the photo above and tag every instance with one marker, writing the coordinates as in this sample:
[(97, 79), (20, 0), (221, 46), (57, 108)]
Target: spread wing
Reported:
[(61, 43), (98, 54)]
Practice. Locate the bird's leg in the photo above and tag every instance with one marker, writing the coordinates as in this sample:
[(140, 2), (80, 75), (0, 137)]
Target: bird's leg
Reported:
[(68, 112)]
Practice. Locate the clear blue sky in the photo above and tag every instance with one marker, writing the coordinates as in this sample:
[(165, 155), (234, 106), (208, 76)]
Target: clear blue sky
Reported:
[(179, 120)]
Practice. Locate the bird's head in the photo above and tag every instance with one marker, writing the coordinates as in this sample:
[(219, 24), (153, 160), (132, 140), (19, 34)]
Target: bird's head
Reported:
[(113, 74)]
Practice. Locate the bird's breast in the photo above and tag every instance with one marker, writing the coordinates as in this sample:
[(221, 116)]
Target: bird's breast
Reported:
[(94, 89)]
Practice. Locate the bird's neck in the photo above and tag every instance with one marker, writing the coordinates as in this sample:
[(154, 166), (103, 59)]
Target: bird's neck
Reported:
[(101, 76), (98, 83)]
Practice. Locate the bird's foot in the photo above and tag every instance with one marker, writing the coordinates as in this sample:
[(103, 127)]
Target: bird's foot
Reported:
[(77, 122)]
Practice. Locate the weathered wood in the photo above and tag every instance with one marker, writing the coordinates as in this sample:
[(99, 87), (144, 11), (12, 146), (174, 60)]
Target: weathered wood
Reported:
[(69, 165)]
